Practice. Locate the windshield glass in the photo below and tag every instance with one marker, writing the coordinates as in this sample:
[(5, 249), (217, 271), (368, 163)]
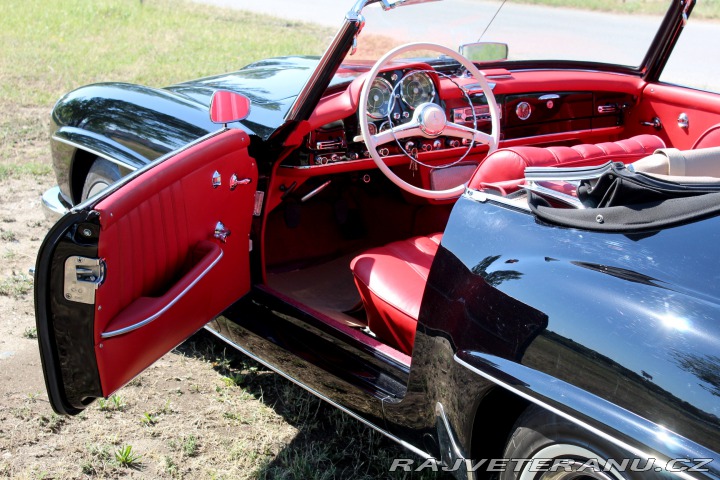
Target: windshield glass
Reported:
[(533, 32)]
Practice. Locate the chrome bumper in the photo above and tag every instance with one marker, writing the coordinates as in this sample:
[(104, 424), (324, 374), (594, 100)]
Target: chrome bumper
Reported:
[(54, 205)]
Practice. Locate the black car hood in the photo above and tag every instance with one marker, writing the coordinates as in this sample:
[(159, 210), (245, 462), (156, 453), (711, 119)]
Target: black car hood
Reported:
[(272, 86)]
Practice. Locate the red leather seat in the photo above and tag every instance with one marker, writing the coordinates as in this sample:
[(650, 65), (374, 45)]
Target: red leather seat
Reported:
[(391, 280), (505, 168)]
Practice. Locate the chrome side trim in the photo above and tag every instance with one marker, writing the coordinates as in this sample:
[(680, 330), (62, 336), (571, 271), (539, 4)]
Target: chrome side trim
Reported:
[(448, 444), (354, 415), (121, 331), (52, 204), (90, 202), (92, 151), (640, 424), (514, 200)]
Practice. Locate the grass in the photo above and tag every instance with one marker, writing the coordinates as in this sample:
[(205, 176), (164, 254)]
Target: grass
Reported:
[(707, 9), (30, 333), (8, 235), (115, 403), (125, 457), (23, 169), (50, 48), (53, 47), (16, 285)]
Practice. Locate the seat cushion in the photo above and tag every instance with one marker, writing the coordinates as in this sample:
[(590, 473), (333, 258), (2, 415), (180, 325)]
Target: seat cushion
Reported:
[(391, 280), (508, 164)]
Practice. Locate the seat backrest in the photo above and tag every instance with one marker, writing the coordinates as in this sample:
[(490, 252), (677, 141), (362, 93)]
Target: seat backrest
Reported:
[(506, 167)]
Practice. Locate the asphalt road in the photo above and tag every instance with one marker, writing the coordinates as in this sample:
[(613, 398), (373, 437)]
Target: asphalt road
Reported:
[(529, 30)]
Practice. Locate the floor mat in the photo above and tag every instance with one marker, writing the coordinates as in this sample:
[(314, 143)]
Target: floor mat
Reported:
[(328, 288)]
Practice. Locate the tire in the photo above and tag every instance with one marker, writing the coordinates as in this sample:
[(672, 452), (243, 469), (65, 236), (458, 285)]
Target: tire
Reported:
[(102, 174), (540, 434)]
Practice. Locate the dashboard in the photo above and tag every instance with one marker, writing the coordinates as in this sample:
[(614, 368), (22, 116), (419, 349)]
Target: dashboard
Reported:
[(527, 116)]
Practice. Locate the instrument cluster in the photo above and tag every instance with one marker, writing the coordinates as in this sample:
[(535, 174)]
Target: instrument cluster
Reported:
[(393, 97)]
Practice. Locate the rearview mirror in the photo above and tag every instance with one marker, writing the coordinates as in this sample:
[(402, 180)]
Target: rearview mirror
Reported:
[(227, 107), (484, 51)]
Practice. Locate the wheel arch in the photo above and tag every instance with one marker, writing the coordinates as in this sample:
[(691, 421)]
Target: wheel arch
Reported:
[(495, 415), (82, 148), (630, 432)]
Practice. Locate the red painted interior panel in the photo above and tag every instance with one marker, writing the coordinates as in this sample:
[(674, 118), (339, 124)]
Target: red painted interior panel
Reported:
[(157, 238), (710, 138), (667, 102)]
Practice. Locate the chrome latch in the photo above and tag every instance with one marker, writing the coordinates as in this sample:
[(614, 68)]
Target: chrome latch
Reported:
[(82, 277), (235, 181), (609, 108), (655, 123), (683, 121), (216, 179), (221, 232)]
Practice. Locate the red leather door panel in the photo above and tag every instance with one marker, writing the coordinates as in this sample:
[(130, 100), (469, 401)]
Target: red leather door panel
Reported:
[(166, 273)]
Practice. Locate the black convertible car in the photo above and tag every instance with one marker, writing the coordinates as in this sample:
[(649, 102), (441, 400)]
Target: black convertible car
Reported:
[(484, 255)]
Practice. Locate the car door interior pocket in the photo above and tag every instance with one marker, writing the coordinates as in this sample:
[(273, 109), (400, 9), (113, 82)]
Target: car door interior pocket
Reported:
[(144, 310)]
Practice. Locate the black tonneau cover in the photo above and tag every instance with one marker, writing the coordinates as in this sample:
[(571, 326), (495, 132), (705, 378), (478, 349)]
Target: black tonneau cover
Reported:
[(623, 201)]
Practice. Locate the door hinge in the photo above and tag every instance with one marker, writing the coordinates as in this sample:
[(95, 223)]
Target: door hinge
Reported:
[(82, 277)]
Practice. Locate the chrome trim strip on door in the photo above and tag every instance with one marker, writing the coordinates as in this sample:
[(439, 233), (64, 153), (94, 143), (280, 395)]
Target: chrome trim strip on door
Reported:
[(135, 326)]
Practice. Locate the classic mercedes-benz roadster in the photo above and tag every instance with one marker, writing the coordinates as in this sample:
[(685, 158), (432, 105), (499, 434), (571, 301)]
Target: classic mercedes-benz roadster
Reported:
[(482, 255)]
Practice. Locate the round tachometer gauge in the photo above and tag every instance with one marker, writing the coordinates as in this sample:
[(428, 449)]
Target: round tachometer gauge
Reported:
[(378, 104), (417, 88)]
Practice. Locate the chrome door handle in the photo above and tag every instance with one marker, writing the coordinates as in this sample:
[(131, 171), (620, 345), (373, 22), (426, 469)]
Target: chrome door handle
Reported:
[(655, 123), (221, 232), (235, 181)]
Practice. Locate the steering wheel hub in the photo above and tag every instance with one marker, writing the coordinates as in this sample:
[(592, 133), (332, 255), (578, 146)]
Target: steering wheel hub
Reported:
[(431, 119)]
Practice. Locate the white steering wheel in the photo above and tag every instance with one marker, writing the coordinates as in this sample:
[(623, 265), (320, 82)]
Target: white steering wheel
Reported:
[(429, 120)]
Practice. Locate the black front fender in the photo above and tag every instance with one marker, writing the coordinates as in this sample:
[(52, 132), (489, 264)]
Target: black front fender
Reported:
[(127, 124)]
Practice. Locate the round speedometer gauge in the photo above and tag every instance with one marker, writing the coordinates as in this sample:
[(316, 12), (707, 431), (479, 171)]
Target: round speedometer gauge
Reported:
[(378, 104), (417, 88)]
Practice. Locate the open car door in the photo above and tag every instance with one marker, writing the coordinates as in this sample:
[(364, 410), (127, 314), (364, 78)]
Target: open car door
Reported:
[(126, 278)]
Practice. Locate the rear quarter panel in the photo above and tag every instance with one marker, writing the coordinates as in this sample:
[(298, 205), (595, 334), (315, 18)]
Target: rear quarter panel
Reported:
[(632, 319)]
